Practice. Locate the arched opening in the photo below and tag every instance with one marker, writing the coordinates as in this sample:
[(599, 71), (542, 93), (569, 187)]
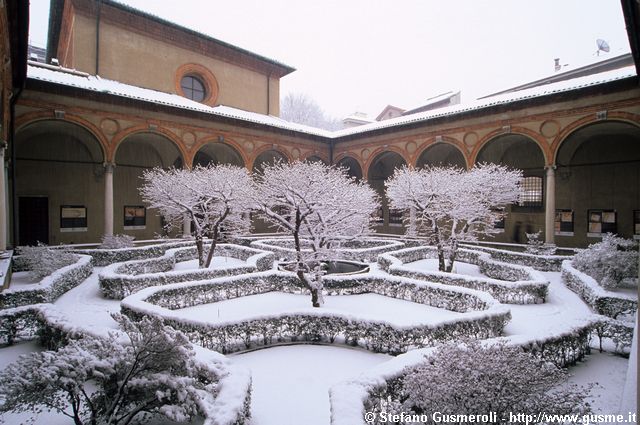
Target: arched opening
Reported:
[(441, 155), (217, 153), (136, 153), (268, 157), (381, 168), (352, 166), (598, 183), (519, 152), (59, 184)]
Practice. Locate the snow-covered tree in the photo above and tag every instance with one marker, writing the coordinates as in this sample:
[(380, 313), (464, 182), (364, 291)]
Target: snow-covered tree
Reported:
[(537, 246), (301, 109), (42, 260), (117, 241), (477, 379), (112, 380), (451, 205), (610, 261), (212, 197), (318, 205)]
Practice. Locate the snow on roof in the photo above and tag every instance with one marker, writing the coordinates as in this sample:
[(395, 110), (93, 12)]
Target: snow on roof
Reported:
[(59, 75), (73, 78)]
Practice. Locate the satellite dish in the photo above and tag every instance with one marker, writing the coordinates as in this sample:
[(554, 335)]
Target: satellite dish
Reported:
[(603, 46)]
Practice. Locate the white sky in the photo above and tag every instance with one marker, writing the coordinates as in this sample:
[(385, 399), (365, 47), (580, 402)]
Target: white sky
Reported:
[(361, 55)]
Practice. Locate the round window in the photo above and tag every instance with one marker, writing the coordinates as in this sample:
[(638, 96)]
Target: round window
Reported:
[(193, 88)]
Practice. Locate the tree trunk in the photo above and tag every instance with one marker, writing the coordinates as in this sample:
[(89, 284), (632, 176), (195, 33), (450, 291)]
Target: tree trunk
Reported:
[(200, 248), (300, 264), (441, 263), (452, 256), (214, 239)]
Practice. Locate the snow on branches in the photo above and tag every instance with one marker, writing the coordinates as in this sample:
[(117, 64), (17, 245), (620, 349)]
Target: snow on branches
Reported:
[(213, 198), (317, 205), (497, 380), (113, 380), (452, 205)]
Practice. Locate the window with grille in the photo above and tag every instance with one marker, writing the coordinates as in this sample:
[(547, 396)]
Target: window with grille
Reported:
[(530, 192), (564, 223), (601, 221)]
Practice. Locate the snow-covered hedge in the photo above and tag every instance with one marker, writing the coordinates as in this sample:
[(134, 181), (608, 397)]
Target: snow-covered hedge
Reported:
[(229, 406), (122, 279), (19, 323), (604, 302), (619, 332), (351, 399), (547, 263), (319, 324), (358, 250), (50, 287), (103, 257), (508, 283)]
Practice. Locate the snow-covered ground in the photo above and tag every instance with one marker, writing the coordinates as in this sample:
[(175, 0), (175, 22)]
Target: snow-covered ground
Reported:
[(19, 279), (86, 306), (561, 309), (291, 383), (607, 372), (216, 263), (431, 265), (365, 306)]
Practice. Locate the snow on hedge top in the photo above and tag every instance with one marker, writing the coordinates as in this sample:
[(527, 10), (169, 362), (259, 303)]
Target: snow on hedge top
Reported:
[(85, 81)]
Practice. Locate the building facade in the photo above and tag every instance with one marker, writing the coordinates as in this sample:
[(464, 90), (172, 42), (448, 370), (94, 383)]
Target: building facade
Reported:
[(167, 96)]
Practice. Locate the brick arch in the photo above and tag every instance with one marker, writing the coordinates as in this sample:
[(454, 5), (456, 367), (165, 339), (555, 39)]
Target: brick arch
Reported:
[(144, 128), (379, 151), (264, 148), (445, 139), (33, 117), (214, 139), (616, 116), (538, 139)]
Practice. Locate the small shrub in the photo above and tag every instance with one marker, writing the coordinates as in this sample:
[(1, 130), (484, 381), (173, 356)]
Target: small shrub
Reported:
[(610, 261), (537, 246), (42, 260), (477, 379), (110, 381), (117, 241)]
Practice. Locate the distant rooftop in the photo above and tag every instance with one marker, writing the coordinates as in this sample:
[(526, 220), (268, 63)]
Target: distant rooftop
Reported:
[(592, 67)]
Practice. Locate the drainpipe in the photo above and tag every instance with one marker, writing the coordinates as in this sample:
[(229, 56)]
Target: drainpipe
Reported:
[(98, 13), (269, 94), (12, 146)]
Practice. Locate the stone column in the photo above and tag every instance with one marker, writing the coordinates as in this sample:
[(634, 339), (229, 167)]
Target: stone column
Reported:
[(3, 199), (186, 226), (108, 198), (550, 205)]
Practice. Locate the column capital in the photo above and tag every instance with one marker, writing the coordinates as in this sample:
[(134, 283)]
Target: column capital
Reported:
[(550, 167), (109, 166)]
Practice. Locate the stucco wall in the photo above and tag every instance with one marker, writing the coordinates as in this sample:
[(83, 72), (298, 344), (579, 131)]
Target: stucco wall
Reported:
[(154, 64)]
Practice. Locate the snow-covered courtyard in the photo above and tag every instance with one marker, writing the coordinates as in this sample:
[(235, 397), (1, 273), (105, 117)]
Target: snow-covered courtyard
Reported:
[(291, 380)]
